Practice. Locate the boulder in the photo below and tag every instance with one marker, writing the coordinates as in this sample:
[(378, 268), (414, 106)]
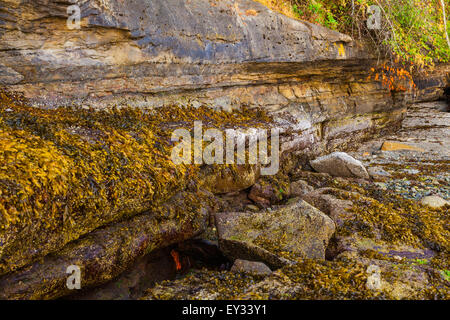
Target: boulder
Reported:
[(275, 237), (340, 164), (252, 267)]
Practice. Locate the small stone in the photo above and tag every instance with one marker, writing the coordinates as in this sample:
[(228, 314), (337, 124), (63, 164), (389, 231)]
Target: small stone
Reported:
[(252, 207), (378, 173), (434, 201), (252, 267), (340, 164)]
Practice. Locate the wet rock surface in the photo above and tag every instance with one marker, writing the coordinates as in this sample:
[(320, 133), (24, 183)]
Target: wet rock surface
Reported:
[(416, 174)]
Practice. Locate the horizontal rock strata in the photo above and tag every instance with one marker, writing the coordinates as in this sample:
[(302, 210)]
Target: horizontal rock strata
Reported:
[(226, 53)]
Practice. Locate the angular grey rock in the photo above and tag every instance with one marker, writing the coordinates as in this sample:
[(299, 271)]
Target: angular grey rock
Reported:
[(275, 237), (252, 267), (340, 164)]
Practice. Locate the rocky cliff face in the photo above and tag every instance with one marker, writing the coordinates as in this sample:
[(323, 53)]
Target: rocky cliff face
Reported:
[(434, 85), (225, 54)]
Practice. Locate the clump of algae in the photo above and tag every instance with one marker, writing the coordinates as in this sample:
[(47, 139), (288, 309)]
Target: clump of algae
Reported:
[(67, 171), (307, 279), (393, 218), (201, 284)]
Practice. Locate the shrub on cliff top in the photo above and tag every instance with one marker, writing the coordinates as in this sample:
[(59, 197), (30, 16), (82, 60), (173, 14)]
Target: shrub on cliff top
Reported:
[(412, 33)]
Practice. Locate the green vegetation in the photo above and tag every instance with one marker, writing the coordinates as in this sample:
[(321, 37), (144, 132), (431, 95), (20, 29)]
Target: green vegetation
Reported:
[(412, 32), (446, 274), (421, 261)]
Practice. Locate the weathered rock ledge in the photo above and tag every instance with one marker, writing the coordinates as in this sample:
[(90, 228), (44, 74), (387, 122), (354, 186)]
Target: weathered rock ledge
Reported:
[(226, 54)]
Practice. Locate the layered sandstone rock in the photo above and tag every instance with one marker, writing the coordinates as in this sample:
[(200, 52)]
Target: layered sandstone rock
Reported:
[(225, 53), (433, 85)]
